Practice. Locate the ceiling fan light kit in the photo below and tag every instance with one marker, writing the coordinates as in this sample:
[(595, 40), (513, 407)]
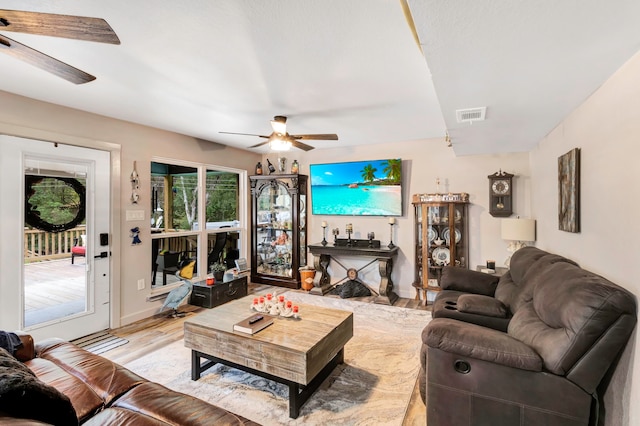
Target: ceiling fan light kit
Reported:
[(277, 143), (279, 124)]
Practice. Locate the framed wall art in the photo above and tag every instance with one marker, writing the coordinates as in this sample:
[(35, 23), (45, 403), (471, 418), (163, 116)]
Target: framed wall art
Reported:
[(569, 191)]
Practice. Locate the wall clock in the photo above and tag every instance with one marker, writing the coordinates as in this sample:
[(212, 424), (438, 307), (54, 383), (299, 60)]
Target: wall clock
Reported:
[(501, 194)]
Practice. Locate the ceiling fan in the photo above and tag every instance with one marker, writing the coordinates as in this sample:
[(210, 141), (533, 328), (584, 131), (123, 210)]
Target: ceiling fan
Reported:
[(280, 140), (65, 26)]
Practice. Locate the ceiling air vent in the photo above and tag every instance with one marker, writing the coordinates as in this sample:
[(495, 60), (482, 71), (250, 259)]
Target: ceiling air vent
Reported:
[(470, 115)]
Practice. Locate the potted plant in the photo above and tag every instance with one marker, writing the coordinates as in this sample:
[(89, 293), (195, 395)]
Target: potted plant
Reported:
[(218, 269)]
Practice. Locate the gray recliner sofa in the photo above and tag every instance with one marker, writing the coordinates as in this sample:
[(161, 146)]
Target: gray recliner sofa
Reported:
[(482, 299), (567, 329)]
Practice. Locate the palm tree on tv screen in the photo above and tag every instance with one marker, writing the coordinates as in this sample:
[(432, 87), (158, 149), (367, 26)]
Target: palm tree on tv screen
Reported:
[(368, 173), (392, 170)]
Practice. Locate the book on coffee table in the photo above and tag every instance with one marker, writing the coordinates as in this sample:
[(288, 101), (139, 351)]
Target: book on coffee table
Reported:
[(253, 324)]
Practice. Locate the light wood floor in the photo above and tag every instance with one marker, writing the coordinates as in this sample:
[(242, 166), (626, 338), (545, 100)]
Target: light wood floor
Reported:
[(149, 334)]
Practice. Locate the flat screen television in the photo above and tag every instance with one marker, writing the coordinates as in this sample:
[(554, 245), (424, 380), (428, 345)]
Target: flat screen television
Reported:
[(357, 188)]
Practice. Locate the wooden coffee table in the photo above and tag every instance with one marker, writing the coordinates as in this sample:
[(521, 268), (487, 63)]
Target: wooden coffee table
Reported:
[(299, 353)]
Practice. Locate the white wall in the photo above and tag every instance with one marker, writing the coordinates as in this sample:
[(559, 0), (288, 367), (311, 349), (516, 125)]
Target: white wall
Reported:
[(607, 129), (423, 161), (25, 117)]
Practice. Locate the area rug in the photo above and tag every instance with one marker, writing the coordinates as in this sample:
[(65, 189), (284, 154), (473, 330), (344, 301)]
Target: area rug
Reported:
[(372, 387)]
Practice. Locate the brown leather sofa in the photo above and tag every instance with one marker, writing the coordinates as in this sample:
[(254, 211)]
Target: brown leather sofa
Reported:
[(567, 331), (105, 393)]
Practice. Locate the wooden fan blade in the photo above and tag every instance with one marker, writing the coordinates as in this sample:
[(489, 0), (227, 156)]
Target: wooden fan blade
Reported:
[(45, 62), (66, 26), (244, 134), (259, 144), (324, 137), (301, 145)]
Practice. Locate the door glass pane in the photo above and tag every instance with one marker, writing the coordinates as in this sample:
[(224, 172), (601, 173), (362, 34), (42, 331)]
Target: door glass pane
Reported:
[(274, 231), (55, 243), (302, 223)]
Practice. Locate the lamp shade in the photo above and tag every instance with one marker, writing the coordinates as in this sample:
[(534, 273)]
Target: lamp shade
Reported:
[(519, 229)]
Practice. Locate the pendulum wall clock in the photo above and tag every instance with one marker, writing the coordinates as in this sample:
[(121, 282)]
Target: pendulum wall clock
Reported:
[(501, 194)]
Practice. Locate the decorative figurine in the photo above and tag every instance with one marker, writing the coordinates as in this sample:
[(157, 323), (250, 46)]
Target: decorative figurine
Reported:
[(135, 179), (269, 305), (270, 166), (135, 236)]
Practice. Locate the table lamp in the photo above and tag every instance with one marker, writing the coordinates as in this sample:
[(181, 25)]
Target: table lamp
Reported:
[(517, 232)]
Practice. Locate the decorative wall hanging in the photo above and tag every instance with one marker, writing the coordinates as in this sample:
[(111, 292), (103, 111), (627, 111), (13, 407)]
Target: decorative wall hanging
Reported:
[(135, 232), (569, 191), (135, 185), (32, 214)]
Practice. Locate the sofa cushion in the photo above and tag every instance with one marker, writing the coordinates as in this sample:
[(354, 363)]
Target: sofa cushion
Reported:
[(512, 283), (6, 420), (105, 378), (515, 292), (522, 260), (474, 341), (151, 403), (85, 401), (570, 311), (482, 305), (446, 306), (22, 395), (468, 281)]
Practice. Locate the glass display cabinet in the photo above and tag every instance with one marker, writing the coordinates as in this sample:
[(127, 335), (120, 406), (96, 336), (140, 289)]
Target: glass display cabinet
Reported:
[(279, 229), (441, 237)]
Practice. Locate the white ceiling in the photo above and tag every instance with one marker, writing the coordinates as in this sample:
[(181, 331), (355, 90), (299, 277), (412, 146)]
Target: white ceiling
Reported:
[(198, 67)]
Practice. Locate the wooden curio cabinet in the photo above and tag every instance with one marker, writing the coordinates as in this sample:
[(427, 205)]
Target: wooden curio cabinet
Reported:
[(279, 229), (441, 236)]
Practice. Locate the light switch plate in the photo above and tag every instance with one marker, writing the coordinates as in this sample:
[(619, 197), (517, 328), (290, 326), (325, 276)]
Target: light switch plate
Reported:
[(135, 215)]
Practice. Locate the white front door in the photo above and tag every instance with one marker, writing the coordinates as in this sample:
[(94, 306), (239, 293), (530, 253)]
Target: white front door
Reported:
[(41, 291)]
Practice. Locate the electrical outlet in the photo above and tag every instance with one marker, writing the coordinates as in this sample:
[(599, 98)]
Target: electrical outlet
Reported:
[(141, 284)]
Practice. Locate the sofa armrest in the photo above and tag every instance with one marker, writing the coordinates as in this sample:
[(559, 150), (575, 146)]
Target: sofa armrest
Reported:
[(474, 341), (481, 305), (27, 350), (468, 281)]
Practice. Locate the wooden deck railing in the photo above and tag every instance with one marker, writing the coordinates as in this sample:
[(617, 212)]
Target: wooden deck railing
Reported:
[(41, 245)]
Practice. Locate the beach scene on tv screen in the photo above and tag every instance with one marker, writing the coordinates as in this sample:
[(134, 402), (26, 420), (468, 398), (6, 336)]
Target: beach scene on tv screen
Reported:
[(357, 188)]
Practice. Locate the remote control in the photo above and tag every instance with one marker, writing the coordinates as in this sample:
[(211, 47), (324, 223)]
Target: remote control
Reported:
[(255, 319)]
